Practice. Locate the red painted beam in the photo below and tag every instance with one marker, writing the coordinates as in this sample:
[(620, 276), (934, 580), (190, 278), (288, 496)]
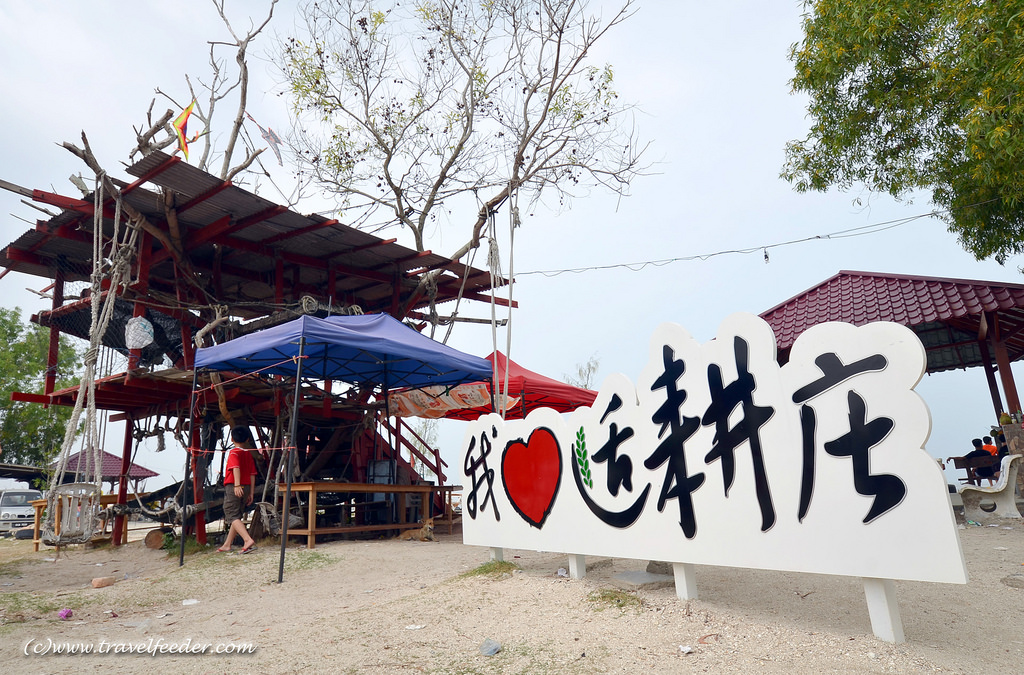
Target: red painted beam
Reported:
[(30, 398), (364, 247), (21, 255), (211, 230), (295, 233), (134, 185), (207, 234), (62, 202), (199, 199), (414, 256), (151, 174)]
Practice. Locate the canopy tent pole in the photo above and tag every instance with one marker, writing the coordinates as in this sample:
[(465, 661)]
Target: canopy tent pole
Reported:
[(288, 450)]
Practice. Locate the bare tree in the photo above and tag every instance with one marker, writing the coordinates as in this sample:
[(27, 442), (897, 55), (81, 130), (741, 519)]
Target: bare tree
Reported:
[(221, 86), (585, 373), (402, 109)]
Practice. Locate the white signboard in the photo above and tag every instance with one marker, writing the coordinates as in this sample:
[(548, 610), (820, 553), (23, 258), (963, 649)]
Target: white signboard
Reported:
[(719, 456)]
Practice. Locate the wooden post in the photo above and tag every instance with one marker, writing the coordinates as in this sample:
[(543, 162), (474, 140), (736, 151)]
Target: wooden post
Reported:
[(1003, 362), (990, 377), (141, 288), (122, 489), (53, 356)]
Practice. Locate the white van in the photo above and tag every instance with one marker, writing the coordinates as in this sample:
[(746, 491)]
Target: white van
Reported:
[(16, 509)]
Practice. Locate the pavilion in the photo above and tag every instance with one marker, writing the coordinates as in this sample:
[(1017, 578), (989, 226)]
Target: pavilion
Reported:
[(962, 323)]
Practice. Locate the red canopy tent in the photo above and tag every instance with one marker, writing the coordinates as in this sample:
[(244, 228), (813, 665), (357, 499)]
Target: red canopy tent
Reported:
[(532, 389), (527, 391)]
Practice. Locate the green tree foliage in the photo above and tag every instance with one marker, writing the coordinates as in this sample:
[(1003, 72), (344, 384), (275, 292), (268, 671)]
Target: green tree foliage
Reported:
[(406, 106), (912, 95), (29, 432)]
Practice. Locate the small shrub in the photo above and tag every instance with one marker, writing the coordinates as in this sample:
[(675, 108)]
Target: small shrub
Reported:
[(608, 597), (495, 569), (173, 546)]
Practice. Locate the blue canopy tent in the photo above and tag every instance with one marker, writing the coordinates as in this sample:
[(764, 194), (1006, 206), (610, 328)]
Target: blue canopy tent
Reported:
[(373, 349)]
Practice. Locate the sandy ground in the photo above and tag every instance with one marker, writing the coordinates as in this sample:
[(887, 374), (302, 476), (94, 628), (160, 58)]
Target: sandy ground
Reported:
[(388, 606)]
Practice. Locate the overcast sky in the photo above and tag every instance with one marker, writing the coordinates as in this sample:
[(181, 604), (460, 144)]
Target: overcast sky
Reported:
[(711, 80)]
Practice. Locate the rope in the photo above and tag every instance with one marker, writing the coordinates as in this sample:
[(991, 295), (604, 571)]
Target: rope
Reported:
[(494, 269), (86, 506), (513, 223), (458, 298)]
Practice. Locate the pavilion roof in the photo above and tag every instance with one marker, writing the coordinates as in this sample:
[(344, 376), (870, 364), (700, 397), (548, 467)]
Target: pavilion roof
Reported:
[(948, 315), (111, 465)]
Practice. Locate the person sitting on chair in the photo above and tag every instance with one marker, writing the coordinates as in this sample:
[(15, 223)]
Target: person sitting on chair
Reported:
[(988, 472), (239, 486)]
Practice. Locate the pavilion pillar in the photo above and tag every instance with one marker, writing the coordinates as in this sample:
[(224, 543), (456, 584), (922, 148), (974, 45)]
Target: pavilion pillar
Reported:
[(990, 377), (122, 489), (1003, 363)]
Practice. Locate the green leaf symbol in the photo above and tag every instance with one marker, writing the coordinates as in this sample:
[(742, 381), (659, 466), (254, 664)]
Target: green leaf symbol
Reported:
[(580, 448)]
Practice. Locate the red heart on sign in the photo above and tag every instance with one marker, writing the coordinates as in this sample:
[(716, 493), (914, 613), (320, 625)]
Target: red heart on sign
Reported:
[(530, 473)]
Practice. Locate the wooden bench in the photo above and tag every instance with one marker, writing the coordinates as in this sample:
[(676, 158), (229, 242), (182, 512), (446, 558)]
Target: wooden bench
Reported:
[(1002, 493), (970, 464)]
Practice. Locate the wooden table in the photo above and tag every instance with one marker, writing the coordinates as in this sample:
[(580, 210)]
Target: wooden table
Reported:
[(105, 500), (313, 488)]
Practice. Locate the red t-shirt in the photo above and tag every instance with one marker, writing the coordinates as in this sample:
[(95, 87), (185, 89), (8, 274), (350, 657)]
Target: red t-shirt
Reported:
[(241, 458)]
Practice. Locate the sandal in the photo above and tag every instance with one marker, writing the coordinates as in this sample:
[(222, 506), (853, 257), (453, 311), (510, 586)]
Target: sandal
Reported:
[(248, 549), (223, 550)]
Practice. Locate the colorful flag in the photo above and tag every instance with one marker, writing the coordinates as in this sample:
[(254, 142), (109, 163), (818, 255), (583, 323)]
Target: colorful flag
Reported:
[(181, 128)]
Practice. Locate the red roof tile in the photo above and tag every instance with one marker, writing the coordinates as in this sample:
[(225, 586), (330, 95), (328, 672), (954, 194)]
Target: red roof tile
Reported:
[(111, 466), (923, 304)]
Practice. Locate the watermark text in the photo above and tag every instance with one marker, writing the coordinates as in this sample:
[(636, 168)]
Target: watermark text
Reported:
[(150, 647)]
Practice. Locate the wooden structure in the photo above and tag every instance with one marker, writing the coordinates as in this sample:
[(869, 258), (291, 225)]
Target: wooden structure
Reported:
[(354, 498), (218, 258)]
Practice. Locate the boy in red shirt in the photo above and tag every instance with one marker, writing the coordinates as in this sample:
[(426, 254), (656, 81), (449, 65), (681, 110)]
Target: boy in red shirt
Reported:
[(239, 486)]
